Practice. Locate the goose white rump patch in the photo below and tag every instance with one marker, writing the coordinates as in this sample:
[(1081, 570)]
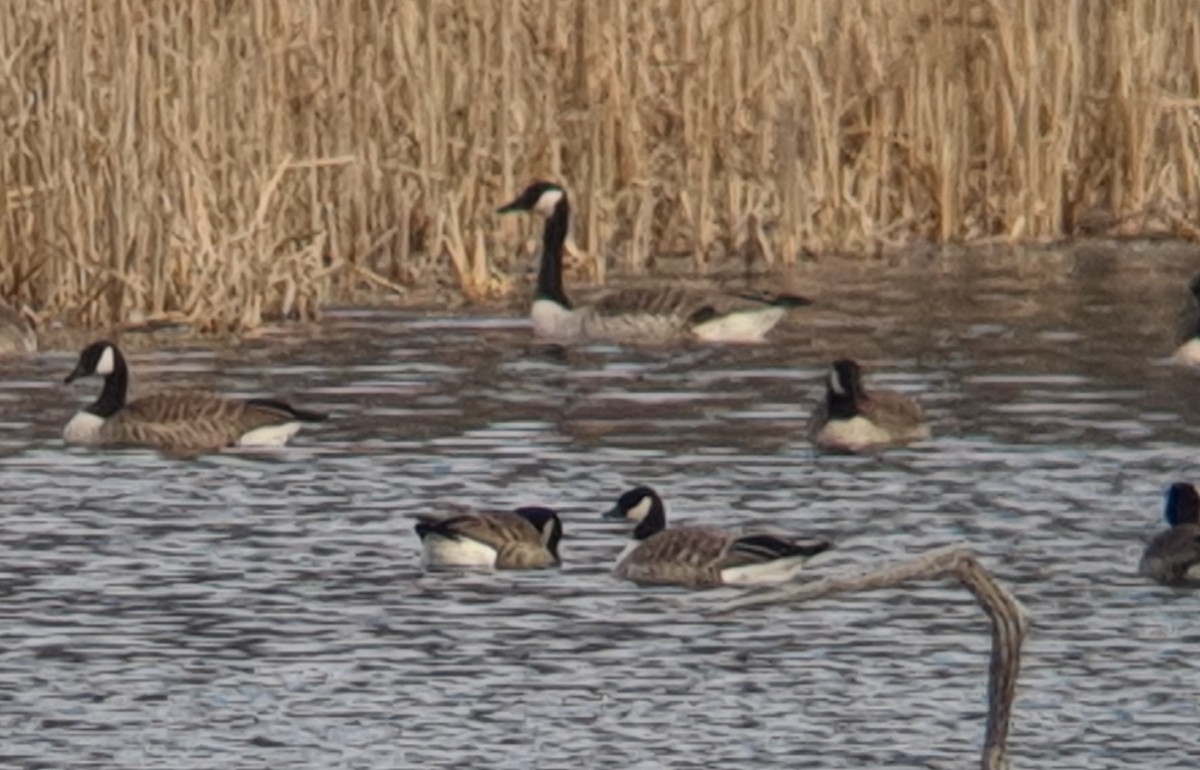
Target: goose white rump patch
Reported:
[(740, 326), (777, 571), (438, 551), (270, 435)]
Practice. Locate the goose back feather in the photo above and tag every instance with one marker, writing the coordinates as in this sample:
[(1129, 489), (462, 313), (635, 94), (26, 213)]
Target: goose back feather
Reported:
[(183, 421), (702, 557), (526, 538), (647, 314)]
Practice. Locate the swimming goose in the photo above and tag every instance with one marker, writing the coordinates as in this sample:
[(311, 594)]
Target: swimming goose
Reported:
[(526, 538), (177, 420), (849, 419), (1188, 353), (701, 557), (646, 314), (1173, 557), (16, 333)]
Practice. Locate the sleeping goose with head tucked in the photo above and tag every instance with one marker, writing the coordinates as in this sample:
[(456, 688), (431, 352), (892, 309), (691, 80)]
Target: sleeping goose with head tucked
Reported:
[(645, 314), (702, 557), (526, 538), (177, 421)]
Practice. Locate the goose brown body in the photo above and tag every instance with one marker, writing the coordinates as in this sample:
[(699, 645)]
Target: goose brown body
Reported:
[(519, 540), (696, 557), (177, 421), (190, 421), (645, 314), (851, 419), (702, 557)]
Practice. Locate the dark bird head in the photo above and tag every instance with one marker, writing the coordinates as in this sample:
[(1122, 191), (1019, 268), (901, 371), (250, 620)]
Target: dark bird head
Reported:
[(546, 521), (99, 358), (1183, 505), (539, 197)]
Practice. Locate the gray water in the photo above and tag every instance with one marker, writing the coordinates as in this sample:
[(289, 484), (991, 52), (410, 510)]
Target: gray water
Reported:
[(267, 609)]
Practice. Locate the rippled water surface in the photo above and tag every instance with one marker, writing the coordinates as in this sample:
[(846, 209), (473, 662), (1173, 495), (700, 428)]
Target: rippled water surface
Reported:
[(267, 610)]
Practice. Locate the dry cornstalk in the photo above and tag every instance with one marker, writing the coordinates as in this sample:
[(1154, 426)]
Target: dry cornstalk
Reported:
[(147, 145)]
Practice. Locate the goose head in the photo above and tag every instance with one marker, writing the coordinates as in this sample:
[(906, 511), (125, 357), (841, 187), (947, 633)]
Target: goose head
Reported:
[(546, 521), (843, 388), (644, 507), (1183, 505), (100, 359), (540, 197)]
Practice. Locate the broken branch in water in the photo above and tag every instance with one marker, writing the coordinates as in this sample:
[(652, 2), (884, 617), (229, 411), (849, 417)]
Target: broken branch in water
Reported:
[(959, 561)]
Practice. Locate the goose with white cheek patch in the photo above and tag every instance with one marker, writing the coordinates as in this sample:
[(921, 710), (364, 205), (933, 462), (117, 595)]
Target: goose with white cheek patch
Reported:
[(641, 314), (851, 419), (174, 421), (1173, 557), (702, 557), (524, 539)]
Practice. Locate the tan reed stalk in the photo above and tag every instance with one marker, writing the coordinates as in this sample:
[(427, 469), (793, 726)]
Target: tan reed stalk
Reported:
[(230, 163)]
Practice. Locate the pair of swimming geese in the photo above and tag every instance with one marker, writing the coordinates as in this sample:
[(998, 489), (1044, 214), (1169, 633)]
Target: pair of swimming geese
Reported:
[(849, 419), (689, 556)]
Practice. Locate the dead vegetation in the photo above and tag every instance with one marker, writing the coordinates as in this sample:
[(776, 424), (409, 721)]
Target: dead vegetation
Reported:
[(228, 162)]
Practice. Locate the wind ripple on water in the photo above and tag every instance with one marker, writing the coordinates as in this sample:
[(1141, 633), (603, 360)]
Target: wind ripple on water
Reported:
[(255, 609)]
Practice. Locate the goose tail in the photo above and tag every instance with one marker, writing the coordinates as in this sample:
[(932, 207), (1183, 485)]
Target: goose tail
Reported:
[(770, 547), (432, 525), (791, 300), (284, 408), (760, 559), (776, 300)]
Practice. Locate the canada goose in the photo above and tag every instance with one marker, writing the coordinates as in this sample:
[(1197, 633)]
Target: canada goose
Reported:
[(16, 333), (1173, 557), (175, 421), (526, 538), (1188, 353), (646, 314), (849, 419), (701, 557)]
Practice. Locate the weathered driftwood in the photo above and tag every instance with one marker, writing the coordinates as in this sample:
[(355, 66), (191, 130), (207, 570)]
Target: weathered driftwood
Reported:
[(1007, 616)]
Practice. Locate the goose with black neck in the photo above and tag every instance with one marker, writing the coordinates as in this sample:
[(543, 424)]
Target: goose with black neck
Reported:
[(641, 314), (176, 421)]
